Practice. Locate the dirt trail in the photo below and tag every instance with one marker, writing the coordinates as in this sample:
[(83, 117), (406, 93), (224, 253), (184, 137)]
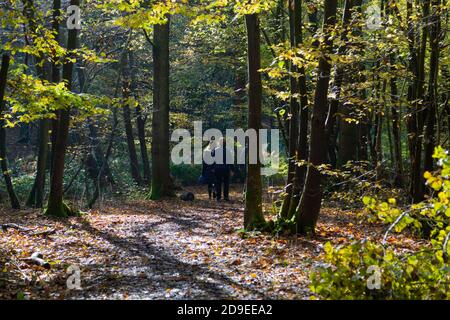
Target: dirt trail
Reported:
[(165, 250), (180, 250)]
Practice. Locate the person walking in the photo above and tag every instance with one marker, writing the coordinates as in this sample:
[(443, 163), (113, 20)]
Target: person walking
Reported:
[(208, 176), (223, 168)]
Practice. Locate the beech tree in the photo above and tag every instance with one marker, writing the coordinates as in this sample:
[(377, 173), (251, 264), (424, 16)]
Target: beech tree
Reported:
[(161, 182), (253, 216), (56, 206), (127, 95), (311, 199), (3, 159)]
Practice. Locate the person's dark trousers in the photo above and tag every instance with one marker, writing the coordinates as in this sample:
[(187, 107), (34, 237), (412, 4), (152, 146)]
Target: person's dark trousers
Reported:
[(222, 177), (210, 190)]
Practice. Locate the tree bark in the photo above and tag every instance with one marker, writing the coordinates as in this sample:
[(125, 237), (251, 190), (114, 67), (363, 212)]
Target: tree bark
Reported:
[(161, 182), (302, 144), (140, 123), (36, 196), (253, 216), (395, 111), (416, 98), (126, 95), (3, 160), (347, 150), (55, 206), (56, 75), (310, 202), (294, 108), (431, 103)]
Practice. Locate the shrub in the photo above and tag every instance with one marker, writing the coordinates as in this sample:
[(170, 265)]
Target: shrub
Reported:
[(367, 270)]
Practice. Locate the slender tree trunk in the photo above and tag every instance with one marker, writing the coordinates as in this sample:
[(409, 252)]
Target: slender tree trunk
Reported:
[(56, 206), (3, 160), (302, 144), (126, 95), (294, 107), (411, 120), (161, 181), (395, 111), (310, 202), (140, 123), (363, 130), (432, 87), (253, 216), (419, 112), (347, 150), (36, 195), (388, 116), (143, 144), (56, 76), (378, 145)]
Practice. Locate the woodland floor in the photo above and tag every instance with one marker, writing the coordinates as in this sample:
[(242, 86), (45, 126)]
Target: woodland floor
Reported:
[(167, 250)]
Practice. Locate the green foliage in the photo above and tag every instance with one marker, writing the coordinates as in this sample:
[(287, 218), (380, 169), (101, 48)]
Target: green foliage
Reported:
[(186, 174), (431, 214), (352, 272), (284, 226), (357, 179), (403, 275), (32, 99)]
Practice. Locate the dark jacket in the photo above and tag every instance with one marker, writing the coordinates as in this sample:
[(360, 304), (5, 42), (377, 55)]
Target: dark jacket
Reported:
[(208, 174), (225, 162)]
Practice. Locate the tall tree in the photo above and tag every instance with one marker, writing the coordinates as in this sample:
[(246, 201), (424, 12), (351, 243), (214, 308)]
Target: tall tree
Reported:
[(56, 206), (3, 159), (253, 216), (347, 130), (161, 181), (294, 9), (416, 121), (396, 124), (302, 145), (140, 122), (432, 97), (56, 72), (36, 196), (310, 202), (126, 95)]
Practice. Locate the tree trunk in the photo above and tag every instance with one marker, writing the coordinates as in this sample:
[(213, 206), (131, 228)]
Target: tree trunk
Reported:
[(395, 111), (347, 150), (56, 76), (140, 122), (363, 129), (294, 107), (126, 95), (36, 196), (253, 216), (3, 160), (161, 182), (432, 87), (310, 202), (302, 144), (378, 160), (416, 97), (55, 206)]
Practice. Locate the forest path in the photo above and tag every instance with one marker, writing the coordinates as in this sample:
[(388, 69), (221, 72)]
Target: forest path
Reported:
[(188, 250), (165, 250)]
